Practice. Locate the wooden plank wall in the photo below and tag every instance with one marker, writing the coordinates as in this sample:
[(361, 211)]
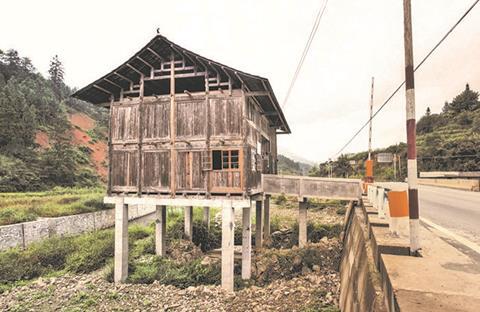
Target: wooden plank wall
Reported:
[(227, 131)]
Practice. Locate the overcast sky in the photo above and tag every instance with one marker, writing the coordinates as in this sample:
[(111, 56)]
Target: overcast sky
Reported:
[(355, 41)]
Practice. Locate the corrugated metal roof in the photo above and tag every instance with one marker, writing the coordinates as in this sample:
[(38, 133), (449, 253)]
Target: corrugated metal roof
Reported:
[(102, 89)]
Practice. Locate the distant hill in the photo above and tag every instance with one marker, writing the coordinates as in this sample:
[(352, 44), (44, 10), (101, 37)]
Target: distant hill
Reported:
[(47, 138), (288, 166), (447, 141)]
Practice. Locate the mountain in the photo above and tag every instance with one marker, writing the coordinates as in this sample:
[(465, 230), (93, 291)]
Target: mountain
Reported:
[(289, 166), (47, 138), (446, 141)]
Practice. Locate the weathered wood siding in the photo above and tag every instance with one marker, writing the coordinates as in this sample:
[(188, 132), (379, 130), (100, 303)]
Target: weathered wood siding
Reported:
[(223, 122)]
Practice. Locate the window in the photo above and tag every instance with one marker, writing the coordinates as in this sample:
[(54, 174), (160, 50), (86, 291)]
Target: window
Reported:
[(224, 160)]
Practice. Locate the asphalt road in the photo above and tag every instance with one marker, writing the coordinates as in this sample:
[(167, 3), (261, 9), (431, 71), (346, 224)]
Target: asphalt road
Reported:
[(455, 210)]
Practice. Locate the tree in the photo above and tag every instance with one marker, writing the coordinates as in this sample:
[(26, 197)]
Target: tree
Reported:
[(17, 119), (56, 73), (428, 112), (465, 101)]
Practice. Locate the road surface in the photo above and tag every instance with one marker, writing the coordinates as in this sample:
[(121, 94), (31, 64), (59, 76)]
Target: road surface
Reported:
[(455, 210)]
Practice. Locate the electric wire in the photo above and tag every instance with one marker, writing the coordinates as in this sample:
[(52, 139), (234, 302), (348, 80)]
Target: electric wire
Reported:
[(305, 51), (403, 83)]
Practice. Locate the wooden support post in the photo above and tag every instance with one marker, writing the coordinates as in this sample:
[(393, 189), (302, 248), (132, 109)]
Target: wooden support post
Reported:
[(121, 242), (266, 216), (161, 230), (189, 222), (206, 217), (302, 223), (246, 243), (228, 225), (173, 128), (258, 224)]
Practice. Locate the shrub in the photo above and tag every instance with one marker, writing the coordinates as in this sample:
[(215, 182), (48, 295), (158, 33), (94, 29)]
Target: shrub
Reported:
[(280, 199), (91, 252), (166, 271)]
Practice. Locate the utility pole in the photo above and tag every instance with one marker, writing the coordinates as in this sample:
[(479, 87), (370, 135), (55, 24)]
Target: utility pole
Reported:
[(411, 131), (369, 162), (395, 167), (370, 123)]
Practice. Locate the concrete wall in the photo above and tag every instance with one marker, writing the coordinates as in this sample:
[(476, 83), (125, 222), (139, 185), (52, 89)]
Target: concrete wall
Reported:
[(301, 186), (23, 234), (360, 289), (462, 184)]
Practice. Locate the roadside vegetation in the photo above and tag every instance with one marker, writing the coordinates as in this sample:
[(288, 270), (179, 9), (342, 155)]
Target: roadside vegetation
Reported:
[(22, 207), (184, 265), (446, 141)]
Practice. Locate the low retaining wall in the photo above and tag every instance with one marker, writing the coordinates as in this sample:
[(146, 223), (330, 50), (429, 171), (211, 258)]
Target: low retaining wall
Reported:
[(360, 289), (462, 184), (23, 234)]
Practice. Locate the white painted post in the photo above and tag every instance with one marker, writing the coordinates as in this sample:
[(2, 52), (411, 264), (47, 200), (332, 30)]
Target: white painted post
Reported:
[(121, 242), (206, 217), (302, 223), (258, 225), (160, 230), (380, 202), (188, 222), (228, 225), (266, 218), (246, 243)]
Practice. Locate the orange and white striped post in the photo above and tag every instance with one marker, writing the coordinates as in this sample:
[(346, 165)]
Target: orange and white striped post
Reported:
[(411, 131), (398, 212)]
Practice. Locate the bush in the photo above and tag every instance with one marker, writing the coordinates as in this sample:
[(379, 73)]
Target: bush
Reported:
[(38, 259), (91, 252), (166, 271)]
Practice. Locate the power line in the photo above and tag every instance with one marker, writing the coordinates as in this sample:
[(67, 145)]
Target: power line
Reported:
[(305, 51), (417, 67)]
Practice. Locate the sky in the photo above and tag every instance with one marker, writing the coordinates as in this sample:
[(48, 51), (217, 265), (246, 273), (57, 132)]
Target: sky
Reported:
[(330, 101)]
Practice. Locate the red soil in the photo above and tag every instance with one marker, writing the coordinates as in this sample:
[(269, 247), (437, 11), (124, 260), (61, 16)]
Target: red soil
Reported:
[(80, 137), (82, 121), (41, 138)]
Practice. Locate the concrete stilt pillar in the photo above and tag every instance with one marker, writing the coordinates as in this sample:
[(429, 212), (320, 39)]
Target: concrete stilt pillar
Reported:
[(228, 225), (189, 222), (246, 243), (266, 218), (121, 242), (206, 217), (258, 224), (302, 223), (161, 230)]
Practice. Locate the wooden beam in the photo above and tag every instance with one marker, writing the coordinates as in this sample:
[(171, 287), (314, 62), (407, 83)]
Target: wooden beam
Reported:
[(134, 69), (140, 136), (257, 93), (125, 78), (113, 83), (173, 119), (156, 55), (102, 89)]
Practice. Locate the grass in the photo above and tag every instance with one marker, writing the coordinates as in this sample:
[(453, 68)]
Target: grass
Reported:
[(22, 207)]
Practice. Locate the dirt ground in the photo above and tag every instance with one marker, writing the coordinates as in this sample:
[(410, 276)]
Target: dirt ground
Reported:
[(311, 289)]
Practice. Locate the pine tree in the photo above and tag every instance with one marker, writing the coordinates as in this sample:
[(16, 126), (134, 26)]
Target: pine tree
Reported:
[(56, 73), (465, 101)]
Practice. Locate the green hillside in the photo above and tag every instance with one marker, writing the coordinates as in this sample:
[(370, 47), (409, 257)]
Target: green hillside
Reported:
[(447, 141), (288, 166), (39, 146)]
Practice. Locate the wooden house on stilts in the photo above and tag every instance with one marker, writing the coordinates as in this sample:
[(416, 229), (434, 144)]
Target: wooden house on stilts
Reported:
[(186, 131)]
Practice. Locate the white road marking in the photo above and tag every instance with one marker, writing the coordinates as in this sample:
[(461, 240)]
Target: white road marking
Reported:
[(457, 237)]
